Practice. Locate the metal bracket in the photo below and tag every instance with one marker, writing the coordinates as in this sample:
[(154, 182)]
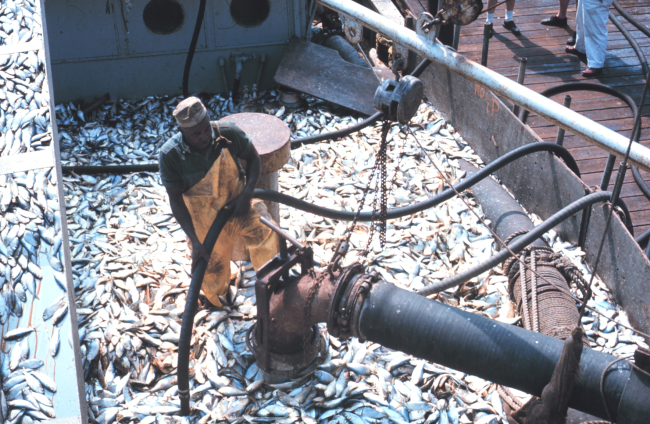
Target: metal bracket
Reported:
[(400, 52), (425, 27), (353, 29)]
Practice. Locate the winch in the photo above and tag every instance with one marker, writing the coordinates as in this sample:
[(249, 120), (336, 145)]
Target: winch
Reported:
[(399, 99)]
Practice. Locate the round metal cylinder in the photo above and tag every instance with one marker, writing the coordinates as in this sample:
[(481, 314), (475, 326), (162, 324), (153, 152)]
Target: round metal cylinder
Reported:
[(271, 138)]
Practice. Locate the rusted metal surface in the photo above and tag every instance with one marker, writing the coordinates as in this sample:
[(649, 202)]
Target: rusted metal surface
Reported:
[(569, 120), (281, 329), (542, 184), (461, 12), (269, 135), (321, 72)]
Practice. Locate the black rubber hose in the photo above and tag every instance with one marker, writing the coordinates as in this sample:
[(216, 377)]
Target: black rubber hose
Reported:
[(501, 353), (576, 86), (110, 169), (518, 244), (627, 218), (190, 53), (584, 86), (187, 325), (274, 196), (643, 238), (644, 29), (336, 134), (631, 40), (420, 68), (644, 64), (356, 127)]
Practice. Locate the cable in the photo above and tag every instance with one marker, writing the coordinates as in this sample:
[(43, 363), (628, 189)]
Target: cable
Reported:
[(519, 244), (187, 324), (190, 53), (447, 194)]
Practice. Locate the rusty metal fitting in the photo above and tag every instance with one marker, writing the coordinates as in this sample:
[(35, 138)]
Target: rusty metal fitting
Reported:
[(352, 287), (283, 367)]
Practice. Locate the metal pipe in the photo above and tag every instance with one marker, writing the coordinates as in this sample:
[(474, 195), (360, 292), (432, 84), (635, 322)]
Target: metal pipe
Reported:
[(520, 80), (259, 72), (499, 84), (487, 31), (222, 65), (272, 225), (456, 37), (560, 131), (607, 173)]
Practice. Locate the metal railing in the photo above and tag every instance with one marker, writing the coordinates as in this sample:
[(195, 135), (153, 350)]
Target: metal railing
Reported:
[(525, 98)]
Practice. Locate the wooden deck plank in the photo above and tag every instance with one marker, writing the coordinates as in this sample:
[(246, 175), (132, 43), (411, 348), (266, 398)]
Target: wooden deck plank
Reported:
[(548, 66)]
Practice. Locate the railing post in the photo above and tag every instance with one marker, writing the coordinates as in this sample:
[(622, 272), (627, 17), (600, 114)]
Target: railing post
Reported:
[(560, 131), (487, 31), (456, 37), (520, 80)]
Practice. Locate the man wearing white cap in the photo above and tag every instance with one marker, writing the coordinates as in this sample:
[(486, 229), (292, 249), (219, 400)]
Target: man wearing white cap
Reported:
[(201, 170)]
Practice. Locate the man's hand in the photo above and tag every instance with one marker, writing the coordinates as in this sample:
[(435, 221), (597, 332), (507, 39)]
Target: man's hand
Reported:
[(240, 205), (198, 252)]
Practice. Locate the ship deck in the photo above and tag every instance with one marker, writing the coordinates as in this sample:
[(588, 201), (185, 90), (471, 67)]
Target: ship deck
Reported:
[(548, 65)]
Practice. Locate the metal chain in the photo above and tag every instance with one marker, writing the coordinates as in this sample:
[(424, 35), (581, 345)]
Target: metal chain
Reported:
[(380, 165)]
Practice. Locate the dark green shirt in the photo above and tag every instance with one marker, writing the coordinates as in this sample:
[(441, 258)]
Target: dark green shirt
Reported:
[(182, 167)]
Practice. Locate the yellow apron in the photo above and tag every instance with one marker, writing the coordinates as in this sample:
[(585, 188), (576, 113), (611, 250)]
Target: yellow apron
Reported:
[(204, 200)]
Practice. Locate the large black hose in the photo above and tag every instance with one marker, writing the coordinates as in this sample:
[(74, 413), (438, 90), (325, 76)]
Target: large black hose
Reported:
[(336, 134), (274, 196), (631, 40), (504, 354), (577, 86), (644, 29), (644, 64), (190, 52), (110, 169), (518, 244), (190, 310), (420, 68), (356, 127)]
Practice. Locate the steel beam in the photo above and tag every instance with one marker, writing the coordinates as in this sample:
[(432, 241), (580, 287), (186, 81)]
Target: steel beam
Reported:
[(526, 98)]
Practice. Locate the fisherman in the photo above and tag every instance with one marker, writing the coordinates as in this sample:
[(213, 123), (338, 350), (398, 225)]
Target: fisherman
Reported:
[(201, 170)]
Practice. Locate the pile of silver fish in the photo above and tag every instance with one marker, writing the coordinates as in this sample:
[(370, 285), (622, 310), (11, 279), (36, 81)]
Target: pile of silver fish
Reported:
[(30, 232), (20, 22), (133, 271), (33, 300), (24, 103)]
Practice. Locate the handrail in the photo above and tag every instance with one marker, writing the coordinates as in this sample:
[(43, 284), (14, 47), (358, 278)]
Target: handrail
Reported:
[(526, 98)]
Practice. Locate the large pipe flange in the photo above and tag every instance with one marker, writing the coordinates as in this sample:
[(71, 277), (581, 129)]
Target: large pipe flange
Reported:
[(351, 289)]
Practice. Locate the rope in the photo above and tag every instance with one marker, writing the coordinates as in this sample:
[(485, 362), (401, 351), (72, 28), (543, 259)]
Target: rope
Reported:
[(533, 289)]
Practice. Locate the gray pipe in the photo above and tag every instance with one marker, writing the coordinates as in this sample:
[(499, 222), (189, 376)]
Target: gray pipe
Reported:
[(345, 49), (500, 207)]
